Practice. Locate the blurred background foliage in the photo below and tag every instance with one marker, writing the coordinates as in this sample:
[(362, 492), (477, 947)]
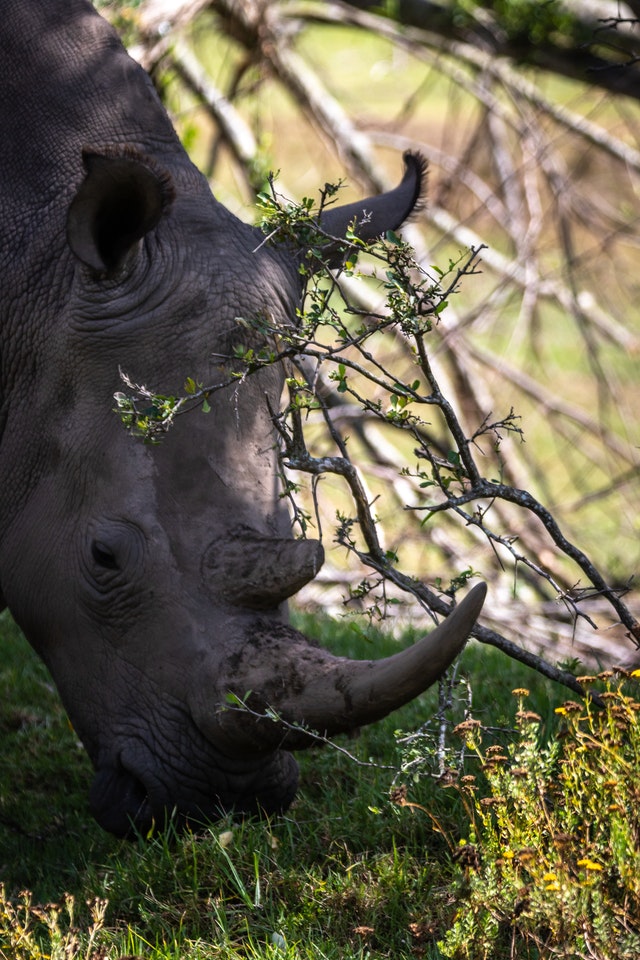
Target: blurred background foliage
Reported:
[(527, 113)]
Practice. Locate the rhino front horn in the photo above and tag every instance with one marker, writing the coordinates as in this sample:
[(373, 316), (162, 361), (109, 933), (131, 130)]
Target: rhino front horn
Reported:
[(308, 687)]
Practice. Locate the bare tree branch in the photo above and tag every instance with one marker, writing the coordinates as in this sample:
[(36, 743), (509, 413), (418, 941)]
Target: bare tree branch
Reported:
[(547, 184)]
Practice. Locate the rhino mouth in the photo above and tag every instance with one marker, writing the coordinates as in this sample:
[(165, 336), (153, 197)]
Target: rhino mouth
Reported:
[(126, 806)]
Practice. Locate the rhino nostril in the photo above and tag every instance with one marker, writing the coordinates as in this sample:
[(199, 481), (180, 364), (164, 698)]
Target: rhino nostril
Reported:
[(119, 802)]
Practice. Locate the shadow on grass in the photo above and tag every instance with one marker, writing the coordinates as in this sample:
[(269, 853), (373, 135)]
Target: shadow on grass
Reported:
[(344, 873)]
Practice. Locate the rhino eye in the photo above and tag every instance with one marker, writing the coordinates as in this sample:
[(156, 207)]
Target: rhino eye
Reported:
[(103, 555)]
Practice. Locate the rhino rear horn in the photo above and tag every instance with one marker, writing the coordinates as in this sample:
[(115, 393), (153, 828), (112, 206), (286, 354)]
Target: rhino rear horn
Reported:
[(259, 572), (122, 198)]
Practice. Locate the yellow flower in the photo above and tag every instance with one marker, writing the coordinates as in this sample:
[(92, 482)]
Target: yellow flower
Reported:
[(635, 673), (553, 886), (509, 854), (548, 877), (560, 710), (589, 864), (523, 692)]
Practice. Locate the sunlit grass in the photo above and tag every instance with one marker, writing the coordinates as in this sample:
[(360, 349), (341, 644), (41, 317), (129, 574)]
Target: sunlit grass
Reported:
[(370, 860), (550, 863)]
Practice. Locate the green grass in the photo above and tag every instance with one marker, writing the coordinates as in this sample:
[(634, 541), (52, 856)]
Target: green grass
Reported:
[(346, 873)]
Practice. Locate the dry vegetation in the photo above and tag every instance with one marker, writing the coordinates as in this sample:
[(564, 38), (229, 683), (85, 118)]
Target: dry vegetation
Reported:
[(536, 172)]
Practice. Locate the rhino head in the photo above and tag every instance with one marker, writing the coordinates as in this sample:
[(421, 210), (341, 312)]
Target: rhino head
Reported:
[(153, 579)]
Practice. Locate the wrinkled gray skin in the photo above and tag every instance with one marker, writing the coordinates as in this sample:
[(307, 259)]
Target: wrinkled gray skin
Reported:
[(153, 579)]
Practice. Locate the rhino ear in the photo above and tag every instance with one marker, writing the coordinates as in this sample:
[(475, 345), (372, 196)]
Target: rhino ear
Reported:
[(374, 216), (122, 198)]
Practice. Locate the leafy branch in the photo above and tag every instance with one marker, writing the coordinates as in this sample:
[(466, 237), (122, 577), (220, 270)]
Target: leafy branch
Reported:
[(331, 355)]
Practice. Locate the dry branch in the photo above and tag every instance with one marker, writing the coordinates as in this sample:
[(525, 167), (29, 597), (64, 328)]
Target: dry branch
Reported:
[(512, 184)]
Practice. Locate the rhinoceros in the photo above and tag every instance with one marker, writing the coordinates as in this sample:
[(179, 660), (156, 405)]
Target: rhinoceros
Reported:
[(153, 579)]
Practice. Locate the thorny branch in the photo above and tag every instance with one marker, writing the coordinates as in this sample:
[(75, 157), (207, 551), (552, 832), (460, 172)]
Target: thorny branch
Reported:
[(414, 302), (467, 474), (299, 730), (549, 188)]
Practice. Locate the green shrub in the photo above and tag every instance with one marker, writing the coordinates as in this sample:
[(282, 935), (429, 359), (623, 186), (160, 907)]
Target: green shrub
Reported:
[(551, 864)]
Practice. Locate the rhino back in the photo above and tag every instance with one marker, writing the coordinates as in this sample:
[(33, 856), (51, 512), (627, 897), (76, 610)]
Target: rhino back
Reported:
[(67, 84)]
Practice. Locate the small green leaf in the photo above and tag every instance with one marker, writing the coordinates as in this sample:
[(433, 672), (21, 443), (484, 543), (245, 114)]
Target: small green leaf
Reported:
[(234, 700), (206, 406)]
